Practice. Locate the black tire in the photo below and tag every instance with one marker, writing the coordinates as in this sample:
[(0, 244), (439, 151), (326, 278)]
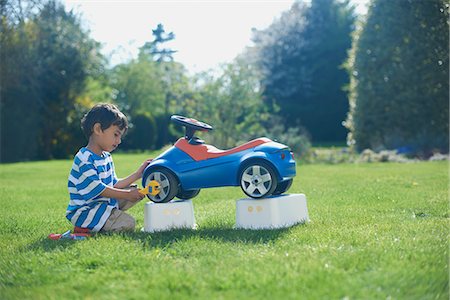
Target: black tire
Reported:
[(185, 195), (168, 185), (282, 187), (258, 179)]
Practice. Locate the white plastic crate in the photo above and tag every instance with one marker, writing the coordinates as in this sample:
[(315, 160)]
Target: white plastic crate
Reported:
[(269, 213), (166, 216)]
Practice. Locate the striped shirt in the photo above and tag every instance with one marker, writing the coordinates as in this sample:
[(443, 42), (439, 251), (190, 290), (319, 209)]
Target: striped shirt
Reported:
[(89, 177)]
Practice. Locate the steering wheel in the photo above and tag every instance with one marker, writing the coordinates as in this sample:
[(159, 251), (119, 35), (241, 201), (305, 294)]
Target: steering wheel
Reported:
[(191, 125)]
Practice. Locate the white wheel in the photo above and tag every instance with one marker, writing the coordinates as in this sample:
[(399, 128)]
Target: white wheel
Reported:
[(258, 180)]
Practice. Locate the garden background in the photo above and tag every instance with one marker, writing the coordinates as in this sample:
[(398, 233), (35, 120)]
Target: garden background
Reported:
[(346, 92), (318, 75)]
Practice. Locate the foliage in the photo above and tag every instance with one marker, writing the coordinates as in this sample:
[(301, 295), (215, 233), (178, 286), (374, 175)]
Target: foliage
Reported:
[(171, 75), (177, 86), (97, 89), (138, 87), (232, 103), (399, 86), (154, 49), (157, 89), (19, 133), (300, 56), (143, 133), (339, 155), (46, 58), (287, 87), (377, 231), (336, 155), (297, 140)]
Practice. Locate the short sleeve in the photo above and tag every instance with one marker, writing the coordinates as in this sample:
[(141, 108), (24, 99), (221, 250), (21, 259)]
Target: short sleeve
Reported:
[(113, 171)]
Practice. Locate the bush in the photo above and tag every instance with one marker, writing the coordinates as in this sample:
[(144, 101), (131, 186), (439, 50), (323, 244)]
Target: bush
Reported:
[(383, 156), (399, 78), (330, 155), (296, 138), (142, 133)]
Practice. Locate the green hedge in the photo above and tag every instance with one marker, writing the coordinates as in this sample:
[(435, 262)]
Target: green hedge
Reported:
[(399, 89)]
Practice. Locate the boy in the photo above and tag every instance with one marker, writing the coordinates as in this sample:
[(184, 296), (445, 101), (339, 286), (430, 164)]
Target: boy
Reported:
[(97, 198)]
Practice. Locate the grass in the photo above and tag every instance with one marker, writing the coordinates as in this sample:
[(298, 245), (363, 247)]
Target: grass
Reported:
[(377, 231)]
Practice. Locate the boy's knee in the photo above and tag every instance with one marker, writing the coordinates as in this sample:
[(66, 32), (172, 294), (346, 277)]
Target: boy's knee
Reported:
[(126, 223), (130, 223), (119, 221)]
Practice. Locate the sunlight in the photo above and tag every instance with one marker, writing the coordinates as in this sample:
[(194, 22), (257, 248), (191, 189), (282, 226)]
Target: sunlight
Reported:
[(207, 33)]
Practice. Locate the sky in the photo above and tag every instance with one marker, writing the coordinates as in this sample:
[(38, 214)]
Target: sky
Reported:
[(207, 33)]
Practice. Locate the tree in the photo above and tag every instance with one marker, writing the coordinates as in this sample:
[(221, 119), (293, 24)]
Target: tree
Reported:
[(46, 58), (279, 56), (18, 130), (169, 72), (152, 89), (138, 87), (143, 133), (232, 103), (300, 56), (154, 48), (399, 86)]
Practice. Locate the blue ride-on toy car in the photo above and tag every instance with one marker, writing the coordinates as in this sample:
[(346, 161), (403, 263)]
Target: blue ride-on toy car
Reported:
[(261, 167)]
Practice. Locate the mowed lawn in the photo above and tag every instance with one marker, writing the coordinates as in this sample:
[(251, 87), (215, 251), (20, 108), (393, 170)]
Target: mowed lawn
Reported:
[(377, 231)]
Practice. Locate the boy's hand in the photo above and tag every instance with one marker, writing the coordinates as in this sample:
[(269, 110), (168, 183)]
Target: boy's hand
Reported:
[(126, 182), (134, 195), (142, 168)]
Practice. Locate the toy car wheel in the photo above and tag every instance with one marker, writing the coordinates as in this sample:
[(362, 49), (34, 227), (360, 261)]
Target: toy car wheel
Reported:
[(168, 185), (185, 195), (258, 180), (282, 187)]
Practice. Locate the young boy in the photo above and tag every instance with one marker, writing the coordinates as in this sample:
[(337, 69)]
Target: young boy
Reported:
[(97, 198)]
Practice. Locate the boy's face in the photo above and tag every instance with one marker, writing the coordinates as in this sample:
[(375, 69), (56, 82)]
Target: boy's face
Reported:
[(110, 138)]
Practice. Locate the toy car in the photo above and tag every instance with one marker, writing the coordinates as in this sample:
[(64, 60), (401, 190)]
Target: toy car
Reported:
[(261, 167)]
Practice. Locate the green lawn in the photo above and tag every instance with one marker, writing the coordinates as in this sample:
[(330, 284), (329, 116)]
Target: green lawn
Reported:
[(377, 231)]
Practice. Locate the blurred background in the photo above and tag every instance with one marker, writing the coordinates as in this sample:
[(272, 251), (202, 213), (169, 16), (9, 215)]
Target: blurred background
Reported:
[(357, 75)]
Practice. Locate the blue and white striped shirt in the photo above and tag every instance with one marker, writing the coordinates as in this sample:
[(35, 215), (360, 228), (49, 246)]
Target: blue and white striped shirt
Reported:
[(89, 177)]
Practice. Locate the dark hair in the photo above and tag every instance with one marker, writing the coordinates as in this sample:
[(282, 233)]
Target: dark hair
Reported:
[(106, 115)]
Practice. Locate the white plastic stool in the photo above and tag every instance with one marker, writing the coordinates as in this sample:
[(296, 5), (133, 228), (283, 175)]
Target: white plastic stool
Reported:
[(269, 213), (166, 216)]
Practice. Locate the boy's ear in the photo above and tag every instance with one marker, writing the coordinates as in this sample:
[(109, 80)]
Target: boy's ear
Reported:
[(97, 128)]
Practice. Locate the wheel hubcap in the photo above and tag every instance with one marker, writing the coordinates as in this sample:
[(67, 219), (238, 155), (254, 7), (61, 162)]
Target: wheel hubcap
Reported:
[(164, 186), (256, 181)]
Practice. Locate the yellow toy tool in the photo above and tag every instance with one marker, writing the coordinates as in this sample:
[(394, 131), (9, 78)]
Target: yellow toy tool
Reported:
[(152, 188)]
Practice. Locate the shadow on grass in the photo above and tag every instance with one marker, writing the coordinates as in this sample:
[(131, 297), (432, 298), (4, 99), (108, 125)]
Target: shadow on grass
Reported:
[(224, 235), (48, 245), (219, 234), (168, 238)]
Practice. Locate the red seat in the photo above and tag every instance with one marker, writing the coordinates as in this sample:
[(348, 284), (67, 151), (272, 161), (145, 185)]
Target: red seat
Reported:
[(202, 151)]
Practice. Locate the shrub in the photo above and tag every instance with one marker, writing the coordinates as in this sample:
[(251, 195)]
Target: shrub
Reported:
[(296, 138), (399, 78), (142, 133)]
